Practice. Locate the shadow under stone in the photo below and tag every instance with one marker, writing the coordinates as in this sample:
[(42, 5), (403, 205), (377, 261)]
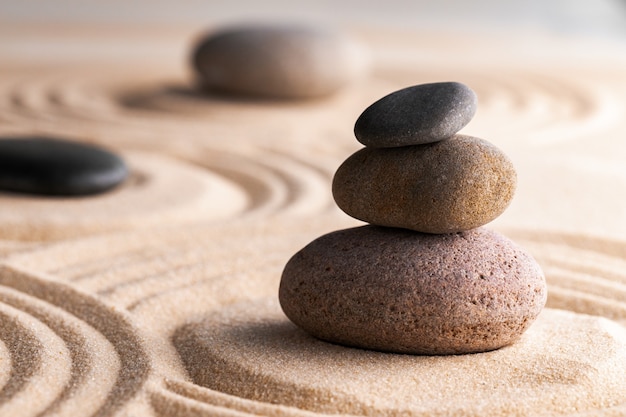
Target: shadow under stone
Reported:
[(185, 98)]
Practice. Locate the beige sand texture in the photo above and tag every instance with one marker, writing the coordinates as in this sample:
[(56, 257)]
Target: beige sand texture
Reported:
[(159, 298)]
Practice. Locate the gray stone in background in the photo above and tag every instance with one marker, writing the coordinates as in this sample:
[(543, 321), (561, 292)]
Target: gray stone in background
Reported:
[(277, 61), (416, 115), (400, 291)]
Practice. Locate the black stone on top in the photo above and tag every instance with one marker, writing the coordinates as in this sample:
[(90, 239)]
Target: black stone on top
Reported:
[(50, 166), (416, 115)]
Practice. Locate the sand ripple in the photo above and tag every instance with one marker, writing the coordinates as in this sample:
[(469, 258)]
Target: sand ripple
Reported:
[(194, 275), (69, 353), (586, 274), (160, 190), (253, 351)]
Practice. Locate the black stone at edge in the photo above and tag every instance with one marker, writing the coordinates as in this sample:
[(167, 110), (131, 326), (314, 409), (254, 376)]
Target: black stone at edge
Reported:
[(55, 167)]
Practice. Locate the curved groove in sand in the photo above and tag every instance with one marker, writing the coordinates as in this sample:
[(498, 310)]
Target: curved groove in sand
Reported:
[(89, 382), (275, 183), (104, 104), (586, 303), (181, 397), (184, 273), (49, 97), (51, 366), (5, 365), (196, 288), (24, 351), (584, 274), (166, 191), (532, 106), (128, 361), (130, 271), (252, 351), (542, 111)]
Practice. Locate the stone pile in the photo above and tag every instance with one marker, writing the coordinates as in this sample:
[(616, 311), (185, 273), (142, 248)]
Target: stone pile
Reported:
[(424, 277)]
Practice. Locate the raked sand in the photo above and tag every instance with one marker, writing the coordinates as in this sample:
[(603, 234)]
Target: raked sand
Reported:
[(160, 298)]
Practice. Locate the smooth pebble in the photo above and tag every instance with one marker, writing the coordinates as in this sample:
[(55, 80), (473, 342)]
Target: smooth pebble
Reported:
[(51, 166), (416, 115), (277, 61), (400, 291), (448, 186)]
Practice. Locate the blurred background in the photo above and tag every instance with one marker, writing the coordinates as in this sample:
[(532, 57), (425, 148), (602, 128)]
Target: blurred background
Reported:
[(587, 17), (552, 88)]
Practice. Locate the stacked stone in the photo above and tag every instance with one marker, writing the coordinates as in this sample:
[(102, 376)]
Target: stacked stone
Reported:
[(424, 277)]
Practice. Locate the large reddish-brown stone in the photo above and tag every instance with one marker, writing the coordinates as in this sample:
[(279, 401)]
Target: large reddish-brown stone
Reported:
[(401, 291)]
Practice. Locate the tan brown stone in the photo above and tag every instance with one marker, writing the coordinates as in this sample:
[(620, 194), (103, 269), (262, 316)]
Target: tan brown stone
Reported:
[(448, 186)]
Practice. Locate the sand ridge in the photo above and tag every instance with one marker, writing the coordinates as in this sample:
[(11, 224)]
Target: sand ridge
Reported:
[(252, 351), (139, 302)]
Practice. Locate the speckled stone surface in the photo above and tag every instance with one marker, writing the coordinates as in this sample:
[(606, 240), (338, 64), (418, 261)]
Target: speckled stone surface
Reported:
[(277, 61), (449, 186), (53, 166), (400, 291), (415, 115)]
